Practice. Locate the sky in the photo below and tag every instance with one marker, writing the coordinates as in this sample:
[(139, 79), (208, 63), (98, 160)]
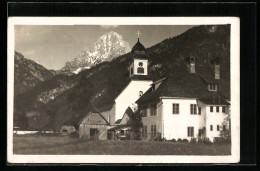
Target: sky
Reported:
[(53, 45)]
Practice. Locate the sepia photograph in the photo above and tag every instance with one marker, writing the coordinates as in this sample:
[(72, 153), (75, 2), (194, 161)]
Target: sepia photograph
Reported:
[(119, 90)]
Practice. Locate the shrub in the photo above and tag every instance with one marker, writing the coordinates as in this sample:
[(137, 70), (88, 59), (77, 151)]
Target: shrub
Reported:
[(193, 140), (173, 140), (222, 140), (204, 141), (179, 140), (185, 140), (74, 134)]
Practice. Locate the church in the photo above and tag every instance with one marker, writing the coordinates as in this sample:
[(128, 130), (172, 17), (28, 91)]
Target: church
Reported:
[(119, 110), (178, 106)]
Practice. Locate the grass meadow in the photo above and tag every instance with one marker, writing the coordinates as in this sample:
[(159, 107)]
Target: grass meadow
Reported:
[(42, 144)]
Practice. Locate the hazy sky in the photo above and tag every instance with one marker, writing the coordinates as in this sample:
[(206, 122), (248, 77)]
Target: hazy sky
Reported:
[(52, 46)]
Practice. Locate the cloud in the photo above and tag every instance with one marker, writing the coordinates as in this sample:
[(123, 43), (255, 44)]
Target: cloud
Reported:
[(109, 26)]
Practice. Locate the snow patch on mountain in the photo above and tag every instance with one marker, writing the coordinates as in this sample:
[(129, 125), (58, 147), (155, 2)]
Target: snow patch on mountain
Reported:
[(106, 48), (80, 69)]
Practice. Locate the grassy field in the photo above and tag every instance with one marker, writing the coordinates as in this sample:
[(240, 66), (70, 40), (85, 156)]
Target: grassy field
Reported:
[(39, 144)]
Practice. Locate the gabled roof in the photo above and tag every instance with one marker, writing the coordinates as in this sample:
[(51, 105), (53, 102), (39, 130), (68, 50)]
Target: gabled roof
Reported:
[(129, 112), (95, 112), (179, 84)]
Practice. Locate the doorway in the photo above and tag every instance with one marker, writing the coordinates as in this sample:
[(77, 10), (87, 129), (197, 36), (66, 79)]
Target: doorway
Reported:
[(93, 131)]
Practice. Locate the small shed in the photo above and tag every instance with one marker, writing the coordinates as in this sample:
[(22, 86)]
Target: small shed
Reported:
[(93, 125)]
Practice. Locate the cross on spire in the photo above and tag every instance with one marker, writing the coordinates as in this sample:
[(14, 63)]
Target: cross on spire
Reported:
[(138, 34)]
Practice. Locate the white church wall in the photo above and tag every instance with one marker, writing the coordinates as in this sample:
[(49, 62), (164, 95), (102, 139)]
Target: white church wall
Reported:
[(215, 118), (129, 96), (176, 125)]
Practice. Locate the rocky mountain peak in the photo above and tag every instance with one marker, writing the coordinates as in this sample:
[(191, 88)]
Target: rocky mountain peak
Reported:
[(108, 46)]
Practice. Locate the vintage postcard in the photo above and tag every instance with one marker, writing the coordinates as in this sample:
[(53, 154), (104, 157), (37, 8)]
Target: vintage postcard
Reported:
[(123, 90)]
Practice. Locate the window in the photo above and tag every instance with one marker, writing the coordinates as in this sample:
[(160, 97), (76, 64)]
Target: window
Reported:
[(122, 132), (217, 127), (144, 131), (132, 71), (140, 93), (190, 131), (199, 108), (211, 108), (153, 110), (153, 87), (211, 127), (153, 130), (223, 109), (175, 108), (224, 127), (193, 109), (144, 111), (212, 87), (217, 108)]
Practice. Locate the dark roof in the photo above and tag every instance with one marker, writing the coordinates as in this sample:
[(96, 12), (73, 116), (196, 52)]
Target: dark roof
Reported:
[(129, 112), (186, 85), (118, 121), (208, 79), (141, 77), (214, 101), (140, 56), (138, 47)]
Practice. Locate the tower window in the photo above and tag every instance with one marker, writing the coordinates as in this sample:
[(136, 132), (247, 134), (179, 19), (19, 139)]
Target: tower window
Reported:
[(211, 127), (217, 127), (140, 69), (217, 108)]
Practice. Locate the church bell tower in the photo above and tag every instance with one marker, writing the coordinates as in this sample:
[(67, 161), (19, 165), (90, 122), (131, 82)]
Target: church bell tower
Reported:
[(139, 63)]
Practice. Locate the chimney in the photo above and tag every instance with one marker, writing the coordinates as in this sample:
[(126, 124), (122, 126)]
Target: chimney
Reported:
[(192, 64), (217, 68)]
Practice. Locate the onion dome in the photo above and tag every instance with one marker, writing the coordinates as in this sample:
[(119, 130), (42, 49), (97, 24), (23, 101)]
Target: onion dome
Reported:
[(138, 48)]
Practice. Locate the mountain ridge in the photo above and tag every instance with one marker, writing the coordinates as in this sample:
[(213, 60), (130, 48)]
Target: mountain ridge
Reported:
[(28, 73)]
